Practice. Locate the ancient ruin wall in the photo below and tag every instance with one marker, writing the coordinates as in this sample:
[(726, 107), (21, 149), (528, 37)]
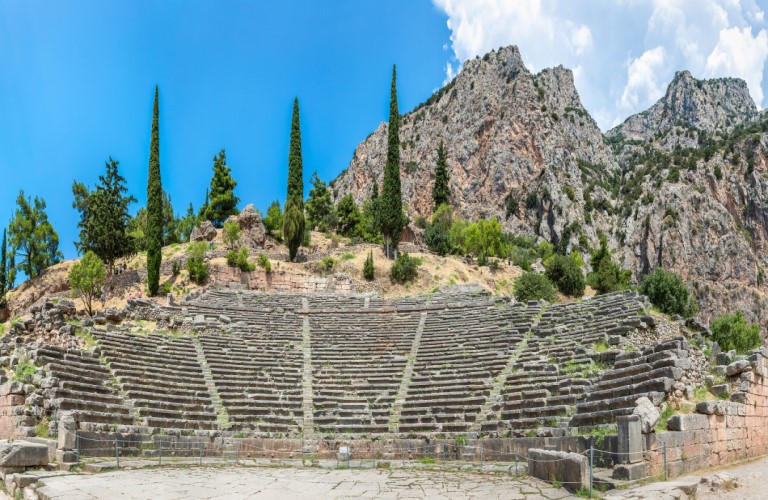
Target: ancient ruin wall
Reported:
[(278, 281), (721, 432)]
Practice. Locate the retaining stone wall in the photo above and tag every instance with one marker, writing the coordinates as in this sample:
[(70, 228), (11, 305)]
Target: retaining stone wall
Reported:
[(280, 281), (9, 428), (722, 432)]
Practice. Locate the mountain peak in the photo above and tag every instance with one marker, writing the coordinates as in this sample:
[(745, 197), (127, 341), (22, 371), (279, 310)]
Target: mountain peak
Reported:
[(714, 106)]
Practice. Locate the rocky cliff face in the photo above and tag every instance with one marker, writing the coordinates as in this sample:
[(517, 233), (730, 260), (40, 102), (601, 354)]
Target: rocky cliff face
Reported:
[(683, 184)]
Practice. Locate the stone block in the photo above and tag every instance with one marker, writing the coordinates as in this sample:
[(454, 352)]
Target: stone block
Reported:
[(22, 454), (648, 413), (66, 456), (67, 432), (629, 472), (630, 441), (571, 469), (720, 390), (688, 422), (736, 367)]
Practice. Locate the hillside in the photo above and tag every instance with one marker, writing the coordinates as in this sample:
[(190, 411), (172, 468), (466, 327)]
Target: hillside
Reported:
[(682, 184)]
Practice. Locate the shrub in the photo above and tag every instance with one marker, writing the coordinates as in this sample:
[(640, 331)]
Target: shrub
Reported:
[(264, 263), (718, 172), (405, 268), (86, 279), (437, 235), (731, 331), (239, 259), (368, 269), (198, 269), (534, 286), (609, 277), (327, 264), (231, 234), (667, 291), (175, 268), (166, 288), (24, 371), (566, 274)]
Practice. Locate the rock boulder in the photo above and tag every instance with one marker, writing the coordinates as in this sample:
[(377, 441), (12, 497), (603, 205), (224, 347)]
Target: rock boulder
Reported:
[(204, 232), (649, 414)]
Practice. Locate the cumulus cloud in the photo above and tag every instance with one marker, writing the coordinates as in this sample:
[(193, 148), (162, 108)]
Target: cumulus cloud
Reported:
[(643, 85), (742, 55), (654, 38)]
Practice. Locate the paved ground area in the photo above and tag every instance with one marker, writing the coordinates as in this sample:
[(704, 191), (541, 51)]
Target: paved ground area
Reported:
[(241, 482), (752, 478)]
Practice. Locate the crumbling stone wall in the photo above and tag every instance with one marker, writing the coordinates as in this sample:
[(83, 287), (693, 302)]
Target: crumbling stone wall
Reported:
[(720, 432), (281, 281)]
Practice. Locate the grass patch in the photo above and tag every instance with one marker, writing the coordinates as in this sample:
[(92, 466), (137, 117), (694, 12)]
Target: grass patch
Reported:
[(668, 413), (23, 371), (600, 346), (427, 460), (86, 336), (347, 256), (43, 428)]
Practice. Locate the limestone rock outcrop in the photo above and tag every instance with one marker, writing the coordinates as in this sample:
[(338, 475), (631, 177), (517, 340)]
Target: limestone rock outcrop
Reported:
[(683, 185), (204, 232)]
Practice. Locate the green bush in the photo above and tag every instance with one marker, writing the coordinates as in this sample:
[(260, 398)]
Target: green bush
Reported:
[(368, 269), (667, 291), (239, 259), (404, 269), (327, 264), (437, 235), (534, 286), (231, 234), (731, 331), (264, 263), (166, 288), (609, 277), (566, 274), (198, 269)]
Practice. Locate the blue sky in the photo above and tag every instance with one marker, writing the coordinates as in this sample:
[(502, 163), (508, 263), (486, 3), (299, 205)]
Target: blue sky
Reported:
[(77, 78)]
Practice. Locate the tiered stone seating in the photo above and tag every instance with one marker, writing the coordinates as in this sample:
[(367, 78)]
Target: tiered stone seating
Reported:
[(651, 372), (79, 383), (558, 366), (258, 375), (162, 376), (462, 351), (357, 369)]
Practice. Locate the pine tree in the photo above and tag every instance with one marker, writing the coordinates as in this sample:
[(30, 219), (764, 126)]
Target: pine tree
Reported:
[(3, 274), (32, 238), (293, 221), (391, 204), (368, 269), (221, 201), (319, 206), (104, 216), (154, 206), (441, 192)]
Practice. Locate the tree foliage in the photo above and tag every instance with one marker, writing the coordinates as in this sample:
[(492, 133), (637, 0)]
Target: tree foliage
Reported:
[(483, 239), (221, 201), (154, 232), (198, 269), (404, 269), (565, 273), (239, 259), (667, 291), (86, 279), (732, 332), (607, 275), (231, 236), (319, 207), (32, 238), (350, 220), (273, 222), (437, 235), (393, 219), (441, 192), (293, 221), (368, 269), (104, 216), (533, 286)]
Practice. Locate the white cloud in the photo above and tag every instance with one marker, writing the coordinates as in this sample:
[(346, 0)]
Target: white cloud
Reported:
[(656, 38), (581, 39), (739, 54), (643, 87)]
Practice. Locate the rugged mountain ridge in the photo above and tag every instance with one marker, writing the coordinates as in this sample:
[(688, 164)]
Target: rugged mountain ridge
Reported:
[(682, 184)]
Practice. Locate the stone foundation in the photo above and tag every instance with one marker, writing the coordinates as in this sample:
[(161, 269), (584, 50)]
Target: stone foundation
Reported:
[(279, 281)]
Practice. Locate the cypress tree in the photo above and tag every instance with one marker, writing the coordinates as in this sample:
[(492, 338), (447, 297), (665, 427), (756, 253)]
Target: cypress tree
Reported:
[(391, 204), (375, 191), (293, 221), (3, 274), (441, 192), (221, 201), (154, 206)]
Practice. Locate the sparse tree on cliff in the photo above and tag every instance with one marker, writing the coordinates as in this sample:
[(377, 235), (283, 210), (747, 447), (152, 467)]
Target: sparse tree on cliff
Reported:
[(32, 238)]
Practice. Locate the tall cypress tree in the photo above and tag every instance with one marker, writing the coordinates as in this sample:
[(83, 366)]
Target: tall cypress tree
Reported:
[(441, 192), (154, 206), (391, 204), (3, 273), (293, 221)]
